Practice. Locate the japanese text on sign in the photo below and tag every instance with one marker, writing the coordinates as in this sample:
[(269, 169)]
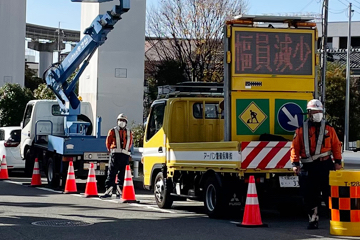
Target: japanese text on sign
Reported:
[(218, 156), (276, 53)]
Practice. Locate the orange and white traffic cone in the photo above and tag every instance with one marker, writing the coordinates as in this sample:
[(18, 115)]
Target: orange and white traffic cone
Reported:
[(128, 194), (70, 186), (36, 177), (252, 217), (91, 187), (4, 170)]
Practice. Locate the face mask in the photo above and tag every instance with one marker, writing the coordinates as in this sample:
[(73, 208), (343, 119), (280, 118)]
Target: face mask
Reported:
[(121, 124), (317, 117)]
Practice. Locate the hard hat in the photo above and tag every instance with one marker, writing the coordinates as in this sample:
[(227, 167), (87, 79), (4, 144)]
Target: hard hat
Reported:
[(314, 104), (122, 117)]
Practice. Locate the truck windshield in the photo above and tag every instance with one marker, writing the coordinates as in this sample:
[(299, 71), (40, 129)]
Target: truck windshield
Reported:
[(156, 120), (27, 115)]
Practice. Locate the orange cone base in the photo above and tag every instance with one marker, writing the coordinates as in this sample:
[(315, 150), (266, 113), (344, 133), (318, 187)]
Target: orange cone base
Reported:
[(35, 185), (89, 196), (129, 201), (251, 226), (71, 192)]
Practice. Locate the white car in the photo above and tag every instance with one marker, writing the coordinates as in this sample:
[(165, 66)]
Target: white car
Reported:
[(9, 147)]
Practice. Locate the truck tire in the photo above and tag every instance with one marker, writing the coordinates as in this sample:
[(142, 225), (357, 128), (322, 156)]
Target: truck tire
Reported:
[(213, 198), (161, 192), (52, 174), (29, 163)]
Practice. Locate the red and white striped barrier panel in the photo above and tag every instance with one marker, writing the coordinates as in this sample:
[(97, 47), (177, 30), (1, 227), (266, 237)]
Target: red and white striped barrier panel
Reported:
[(265, 155)]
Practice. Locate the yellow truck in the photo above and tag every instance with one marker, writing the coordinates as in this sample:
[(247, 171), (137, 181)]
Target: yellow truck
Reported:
[(195, 150)]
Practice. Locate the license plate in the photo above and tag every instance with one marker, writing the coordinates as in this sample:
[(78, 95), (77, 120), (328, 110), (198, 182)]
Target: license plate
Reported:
[(289, 181), (99, 172)]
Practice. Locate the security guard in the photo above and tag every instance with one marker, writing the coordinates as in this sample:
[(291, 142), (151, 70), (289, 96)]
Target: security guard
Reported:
[(321, 142), (118, 142)]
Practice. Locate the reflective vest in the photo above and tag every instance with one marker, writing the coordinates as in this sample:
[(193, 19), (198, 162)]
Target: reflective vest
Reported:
[(119, 142), (318, 144)]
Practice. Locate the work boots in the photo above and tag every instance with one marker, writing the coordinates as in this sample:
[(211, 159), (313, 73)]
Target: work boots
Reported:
[(313, 219), (108, 193), (118, 192)]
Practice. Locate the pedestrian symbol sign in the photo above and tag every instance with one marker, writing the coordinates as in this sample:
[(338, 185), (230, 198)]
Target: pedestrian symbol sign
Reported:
[(253, 116)]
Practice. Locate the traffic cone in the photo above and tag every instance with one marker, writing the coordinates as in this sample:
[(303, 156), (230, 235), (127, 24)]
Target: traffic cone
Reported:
[(4, 171), (128, 194), (36, 177), (252, 217), (91, 187), (70, 186)]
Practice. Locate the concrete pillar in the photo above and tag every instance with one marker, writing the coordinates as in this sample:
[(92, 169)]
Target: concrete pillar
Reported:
[(46, 53), (113, 82), (45, 61), (336, 43), (12, 36)]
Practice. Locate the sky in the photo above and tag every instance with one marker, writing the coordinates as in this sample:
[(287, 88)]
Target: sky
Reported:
[(51, 12)]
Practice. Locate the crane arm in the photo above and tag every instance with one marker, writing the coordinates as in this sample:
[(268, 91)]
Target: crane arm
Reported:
[(56, 76)]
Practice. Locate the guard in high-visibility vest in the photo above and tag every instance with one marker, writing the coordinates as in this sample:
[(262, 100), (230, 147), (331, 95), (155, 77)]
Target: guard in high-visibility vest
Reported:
[(318, 154), (118, 142)]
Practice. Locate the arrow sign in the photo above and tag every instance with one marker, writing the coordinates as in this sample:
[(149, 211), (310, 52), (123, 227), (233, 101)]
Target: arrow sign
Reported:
[(293, 119), (290, 116)]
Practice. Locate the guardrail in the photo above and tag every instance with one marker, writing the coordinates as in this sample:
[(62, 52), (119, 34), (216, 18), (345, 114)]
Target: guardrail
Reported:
[(136, 157)]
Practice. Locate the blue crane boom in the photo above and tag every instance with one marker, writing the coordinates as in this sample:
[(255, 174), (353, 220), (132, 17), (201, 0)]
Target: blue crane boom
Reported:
[(56, 76)]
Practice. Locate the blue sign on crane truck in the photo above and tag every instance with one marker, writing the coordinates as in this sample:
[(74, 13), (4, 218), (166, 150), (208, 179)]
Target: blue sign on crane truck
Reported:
[(57, 132)]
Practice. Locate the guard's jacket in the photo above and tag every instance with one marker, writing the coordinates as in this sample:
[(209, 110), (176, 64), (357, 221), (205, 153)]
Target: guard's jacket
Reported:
[(322, 142), (119, 140)]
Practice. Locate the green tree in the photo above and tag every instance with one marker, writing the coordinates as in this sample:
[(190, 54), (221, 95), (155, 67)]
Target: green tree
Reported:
[(138, 131), (43, 92), (31, 80), (335, 101), (13, 100)]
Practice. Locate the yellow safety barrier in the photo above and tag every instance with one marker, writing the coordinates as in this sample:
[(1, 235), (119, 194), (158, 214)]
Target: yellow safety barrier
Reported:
[(344, 202)]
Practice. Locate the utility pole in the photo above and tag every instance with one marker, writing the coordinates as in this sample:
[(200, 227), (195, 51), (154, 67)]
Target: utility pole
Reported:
[(347, 95), (323, 50), (58, 42)]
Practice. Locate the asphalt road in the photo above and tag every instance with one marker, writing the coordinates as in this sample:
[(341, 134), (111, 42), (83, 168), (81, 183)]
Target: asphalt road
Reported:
[(41, 213)]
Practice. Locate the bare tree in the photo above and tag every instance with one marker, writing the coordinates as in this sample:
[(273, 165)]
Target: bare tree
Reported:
[(191, 32)]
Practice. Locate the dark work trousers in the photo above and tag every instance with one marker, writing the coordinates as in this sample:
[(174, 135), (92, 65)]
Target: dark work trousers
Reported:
[(314, 179), (117, 165)]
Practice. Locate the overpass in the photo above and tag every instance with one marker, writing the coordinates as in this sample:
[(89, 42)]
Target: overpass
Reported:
[(37, 32), (46, 49)]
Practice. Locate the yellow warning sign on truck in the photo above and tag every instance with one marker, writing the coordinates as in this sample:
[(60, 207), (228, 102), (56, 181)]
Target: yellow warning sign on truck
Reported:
[(253, 116)]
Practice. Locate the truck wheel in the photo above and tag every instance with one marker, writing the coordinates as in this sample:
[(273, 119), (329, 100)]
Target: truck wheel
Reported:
[(161, 192), (53, 177), (213, 198), (29, 163)]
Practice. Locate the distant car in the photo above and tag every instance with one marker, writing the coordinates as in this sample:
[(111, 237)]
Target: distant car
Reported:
[(9, 147)]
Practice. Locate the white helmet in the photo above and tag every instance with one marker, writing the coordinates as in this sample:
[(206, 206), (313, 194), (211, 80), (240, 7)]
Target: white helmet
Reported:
[(122, 117), (314, 104)]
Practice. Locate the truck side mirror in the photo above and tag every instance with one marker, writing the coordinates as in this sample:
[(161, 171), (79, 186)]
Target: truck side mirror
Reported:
[(21, 124)]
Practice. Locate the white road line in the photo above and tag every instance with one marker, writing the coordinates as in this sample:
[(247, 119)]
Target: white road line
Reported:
[(49, 190), (9, 181), (99, 199), (153, 208), (235, 222)]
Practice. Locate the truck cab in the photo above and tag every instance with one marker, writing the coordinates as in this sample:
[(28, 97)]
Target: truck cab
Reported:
[(42, 118), (192, 150)]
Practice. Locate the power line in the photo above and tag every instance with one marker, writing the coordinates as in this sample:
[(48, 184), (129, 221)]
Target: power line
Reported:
[(306, 5), (342, 2)]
